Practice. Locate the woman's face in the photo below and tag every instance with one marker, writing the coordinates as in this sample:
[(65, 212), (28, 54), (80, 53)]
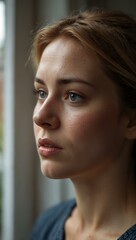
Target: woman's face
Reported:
[(78, 125)]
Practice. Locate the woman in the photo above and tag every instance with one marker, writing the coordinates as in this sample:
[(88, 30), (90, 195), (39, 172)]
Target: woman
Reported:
[(85, 124)]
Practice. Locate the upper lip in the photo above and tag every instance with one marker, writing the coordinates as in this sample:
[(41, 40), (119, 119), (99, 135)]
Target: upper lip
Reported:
[(47, 143)]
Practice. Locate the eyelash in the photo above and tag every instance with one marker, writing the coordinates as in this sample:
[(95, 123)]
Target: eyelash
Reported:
[(37, 92), (75, 94), (67, 96)]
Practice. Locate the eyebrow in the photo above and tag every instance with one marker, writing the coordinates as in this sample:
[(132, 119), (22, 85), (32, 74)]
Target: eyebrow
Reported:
[(39, 81), (66, 81)]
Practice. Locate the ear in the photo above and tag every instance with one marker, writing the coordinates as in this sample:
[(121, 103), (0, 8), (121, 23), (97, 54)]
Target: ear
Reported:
[(131, 125)]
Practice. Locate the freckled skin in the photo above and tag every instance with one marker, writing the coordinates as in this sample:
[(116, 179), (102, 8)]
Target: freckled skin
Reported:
[(91, 132)]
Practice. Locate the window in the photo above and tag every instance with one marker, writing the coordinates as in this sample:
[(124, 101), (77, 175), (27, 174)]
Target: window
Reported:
[(2, 40)]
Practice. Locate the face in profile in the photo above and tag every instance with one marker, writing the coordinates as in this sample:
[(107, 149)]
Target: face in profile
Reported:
[(78, 125)]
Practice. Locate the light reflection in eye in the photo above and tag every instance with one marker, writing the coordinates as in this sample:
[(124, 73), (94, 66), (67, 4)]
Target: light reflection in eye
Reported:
[(74, 97)]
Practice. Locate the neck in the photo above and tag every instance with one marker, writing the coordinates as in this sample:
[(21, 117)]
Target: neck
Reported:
[(106, 199)]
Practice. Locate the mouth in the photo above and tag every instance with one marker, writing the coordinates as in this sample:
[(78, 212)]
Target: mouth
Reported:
[(46, 147)]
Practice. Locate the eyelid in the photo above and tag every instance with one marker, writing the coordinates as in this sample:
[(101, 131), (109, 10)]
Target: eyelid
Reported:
[(37, 93), (39, 87), (76, 92), (78, 97)]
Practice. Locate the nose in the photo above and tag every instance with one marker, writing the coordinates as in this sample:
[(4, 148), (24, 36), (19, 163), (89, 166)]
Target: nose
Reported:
[(46, 116)]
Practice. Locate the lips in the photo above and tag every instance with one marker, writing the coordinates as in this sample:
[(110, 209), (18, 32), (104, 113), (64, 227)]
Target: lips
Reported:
[(46, 147)]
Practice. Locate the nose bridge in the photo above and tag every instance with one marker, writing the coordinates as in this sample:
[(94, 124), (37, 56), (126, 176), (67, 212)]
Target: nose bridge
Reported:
[(47, 106), (46, 114)]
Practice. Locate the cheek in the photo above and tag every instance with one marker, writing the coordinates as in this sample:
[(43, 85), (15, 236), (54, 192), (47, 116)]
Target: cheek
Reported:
[(36, 129), (94, 135), (92, 123)]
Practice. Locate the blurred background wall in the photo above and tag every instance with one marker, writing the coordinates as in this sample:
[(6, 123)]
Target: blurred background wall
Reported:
[(25, 191)]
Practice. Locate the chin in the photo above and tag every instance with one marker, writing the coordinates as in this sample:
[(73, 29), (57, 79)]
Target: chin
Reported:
[(53, 172)]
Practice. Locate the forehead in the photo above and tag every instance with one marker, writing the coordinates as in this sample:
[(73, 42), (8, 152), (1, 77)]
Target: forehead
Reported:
[(66, 58), (66, 54), (65, 45)]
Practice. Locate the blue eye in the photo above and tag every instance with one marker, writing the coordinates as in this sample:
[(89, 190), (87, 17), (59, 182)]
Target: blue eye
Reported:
[(40, 94), (74, 97)]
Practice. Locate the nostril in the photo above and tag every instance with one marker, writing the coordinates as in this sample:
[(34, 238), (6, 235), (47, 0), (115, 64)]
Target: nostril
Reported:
[(46, 121), (46, 116), (47, 124), (37, 119), (34, 118)]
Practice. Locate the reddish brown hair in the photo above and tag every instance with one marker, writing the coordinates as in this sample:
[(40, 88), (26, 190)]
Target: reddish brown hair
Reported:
[(111, 35)]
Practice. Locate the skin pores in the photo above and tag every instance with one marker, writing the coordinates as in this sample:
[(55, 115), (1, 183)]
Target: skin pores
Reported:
[(77, 115)]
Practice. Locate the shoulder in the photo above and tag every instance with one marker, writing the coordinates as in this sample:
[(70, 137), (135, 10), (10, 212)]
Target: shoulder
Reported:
[(130, 234), (51, 222)]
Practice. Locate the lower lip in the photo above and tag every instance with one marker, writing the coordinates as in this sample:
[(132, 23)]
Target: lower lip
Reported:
[(48, 151)]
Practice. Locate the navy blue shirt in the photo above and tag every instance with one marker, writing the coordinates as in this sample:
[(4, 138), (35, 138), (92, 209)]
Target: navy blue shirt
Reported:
[(50, 225)]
